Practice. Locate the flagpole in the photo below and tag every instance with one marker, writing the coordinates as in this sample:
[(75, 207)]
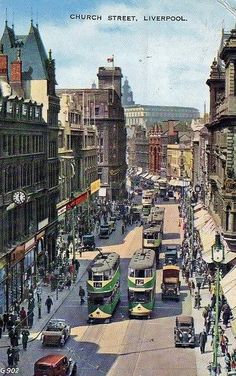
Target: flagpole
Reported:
[(113, 72)]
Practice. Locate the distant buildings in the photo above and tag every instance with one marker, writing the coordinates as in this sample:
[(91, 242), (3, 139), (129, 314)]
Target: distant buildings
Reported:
[(146, 115), (127, 94)]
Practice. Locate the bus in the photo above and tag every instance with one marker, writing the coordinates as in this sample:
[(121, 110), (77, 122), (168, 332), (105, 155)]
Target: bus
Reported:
[(152, 239), (142, 283), (103, 286), (147, 197)]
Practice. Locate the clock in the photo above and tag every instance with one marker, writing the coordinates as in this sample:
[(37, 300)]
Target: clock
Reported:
[(19, 197), (129, 99)]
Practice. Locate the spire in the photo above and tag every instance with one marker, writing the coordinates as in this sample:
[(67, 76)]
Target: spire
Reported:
[(50, 55), (6, 17), (13, 16)]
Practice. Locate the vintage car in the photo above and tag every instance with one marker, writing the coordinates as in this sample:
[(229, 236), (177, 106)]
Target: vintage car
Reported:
[(170, 282), (54, 365), (184, 333), (56, 333), (171, 255), (105, 231), (88, 242)]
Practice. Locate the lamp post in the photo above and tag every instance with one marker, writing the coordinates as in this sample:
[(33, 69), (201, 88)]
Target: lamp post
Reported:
[(217, 257)]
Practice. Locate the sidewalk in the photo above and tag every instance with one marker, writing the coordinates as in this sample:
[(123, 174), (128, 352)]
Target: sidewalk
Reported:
[(39, 324), (203, 360)]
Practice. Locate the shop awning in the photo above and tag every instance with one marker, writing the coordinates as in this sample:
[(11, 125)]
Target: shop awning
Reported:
[(198, 207), (201, 220), (173, 182), (155, 177), (102, 192), (148, 177), (228, 284)]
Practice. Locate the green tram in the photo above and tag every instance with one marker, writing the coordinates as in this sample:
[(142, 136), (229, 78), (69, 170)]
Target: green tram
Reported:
[(103, 286), (152, 239), (142, 283)]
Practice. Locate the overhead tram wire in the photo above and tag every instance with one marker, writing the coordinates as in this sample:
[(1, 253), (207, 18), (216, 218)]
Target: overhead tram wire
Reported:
[(227, 6)]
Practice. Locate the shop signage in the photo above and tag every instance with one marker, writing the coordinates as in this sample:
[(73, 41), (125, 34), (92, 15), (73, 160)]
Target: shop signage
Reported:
[(61, 211), (29, 244), (43, 223), (78, 200), (95, 186)]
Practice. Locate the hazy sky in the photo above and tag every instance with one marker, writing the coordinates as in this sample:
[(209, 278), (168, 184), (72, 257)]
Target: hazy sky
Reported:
[(181, 52)]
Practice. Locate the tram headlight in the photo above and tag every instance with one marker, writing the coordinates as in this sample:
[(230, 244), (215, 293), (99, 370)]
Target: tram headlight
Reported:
[(180, 335)]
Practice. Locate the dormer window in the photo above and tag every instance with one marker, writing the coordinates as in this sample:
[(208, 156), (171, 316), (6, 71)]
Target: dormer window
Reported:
[(24, 110)]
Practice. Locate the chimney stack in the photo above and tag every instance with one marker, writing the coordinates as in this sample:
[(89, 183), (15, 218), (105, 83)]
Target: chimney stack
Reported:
[(16, 75), (3, 65)]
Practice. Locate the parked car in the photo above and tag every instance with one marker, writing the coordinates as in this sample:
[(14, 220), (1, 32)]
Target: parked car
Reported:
[(54, 365), (184, 332), (56, 333)]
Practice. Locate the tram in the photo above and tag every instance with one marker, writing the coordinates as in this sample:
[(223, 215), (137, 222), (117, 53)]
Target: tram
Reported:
[(142, 283), (152, 239), (103, 286)]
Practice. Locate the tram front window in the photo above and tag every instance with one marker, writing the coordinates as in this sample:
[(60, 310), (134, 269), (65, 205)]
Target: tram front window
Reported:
[(97, 277), (100, 299), (140, 296)]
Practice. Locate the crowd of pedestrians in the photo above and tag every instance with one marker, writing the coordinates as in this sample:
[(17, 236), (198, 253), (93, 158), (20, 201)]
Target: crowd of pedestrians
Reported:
[(193, 264)]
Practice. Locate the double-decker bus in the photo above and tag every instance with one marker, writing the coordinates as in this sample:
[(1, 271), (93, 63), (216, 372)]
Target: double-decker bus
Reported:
[(152, 239), (142, 283), (103, 286)]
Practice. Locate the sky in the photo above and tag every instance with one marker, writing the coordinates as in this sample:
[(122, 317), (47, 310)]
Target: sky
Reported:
[(166, 62)]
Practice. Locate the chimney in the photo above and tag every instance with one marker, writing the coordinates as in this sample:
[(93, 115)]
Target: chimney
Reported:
[(3, 65), (16, 75)]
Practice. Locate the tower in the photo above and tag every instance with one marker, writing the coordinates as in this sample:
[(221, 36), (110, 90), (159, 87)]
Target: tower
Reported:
[(127, 94), (110, 78)]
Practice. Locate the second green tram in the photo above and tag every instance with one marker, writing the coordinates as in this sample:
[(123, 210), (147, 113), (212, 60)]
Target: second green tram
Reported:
[(142, 283), (103, 286), (152, 239)]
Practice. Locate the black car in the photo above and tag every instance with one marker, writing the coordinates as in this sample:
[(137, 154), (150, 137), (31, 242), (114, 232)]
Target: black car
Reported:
[(184, 333)]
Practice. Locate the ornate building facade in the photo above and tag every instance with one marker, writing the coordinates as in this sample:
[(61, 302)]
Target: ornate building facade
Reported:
[(222, 139), (28, 163)]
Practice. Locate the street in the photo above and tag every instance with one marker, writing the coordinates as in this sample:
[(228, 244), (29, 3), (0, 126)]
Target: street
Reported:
[(136, 347)]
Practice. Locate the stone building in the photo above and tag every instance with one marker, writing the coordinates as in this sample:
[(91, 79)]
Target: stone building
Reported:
[(222, 139), (138, 153), (175, 155), (101, 108), (28, 163), (127, 94)]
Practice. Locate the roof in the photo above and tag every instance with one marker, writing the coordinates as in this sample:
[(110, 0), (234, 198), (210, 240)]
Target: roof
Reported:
[(157, 228), (50, 359), (171, 267), (142, 259), (33, 54), (104, 262), (184, 318)]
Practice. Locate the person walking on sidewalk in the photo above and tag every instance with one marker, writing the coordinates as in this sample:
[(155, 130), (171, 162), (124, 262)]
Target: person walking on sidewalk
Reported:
[(81, 294), (1, 326), (49, 303), (23, 316), (25, 337), (202, 341), (224, 344), (39, 292), (10, 356)]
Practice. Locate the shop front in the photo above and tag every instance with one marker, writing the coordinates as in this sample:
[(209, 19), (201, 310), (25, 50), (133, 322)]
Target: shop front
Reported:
[(15, 276), (3, 285)]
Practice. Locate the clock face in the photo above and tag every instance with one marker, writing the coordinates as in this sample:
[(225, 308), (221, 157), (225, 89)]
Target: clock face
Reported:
[(129, 99), (19, 197)]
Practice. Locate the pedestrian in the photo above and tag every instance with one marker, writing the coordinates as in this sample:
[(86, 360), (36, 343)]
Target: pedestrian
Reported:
[(228, 361), (224, 344), (49, 303), (205, 314), (208, 324), (68, 283), (81, 294), (202, 341), (23, 317), (233, 359), (5, 320), (123, 229), (226, 315), (77, 266), (25, 337), (13, 337), (39, 292), (1, 326), (30, 317), (16, 356), (10, 356)]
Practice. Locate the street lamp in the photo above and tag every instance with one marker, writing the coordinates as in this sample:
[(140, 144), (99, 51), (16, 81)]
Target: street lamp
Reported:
[(217, 255)]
